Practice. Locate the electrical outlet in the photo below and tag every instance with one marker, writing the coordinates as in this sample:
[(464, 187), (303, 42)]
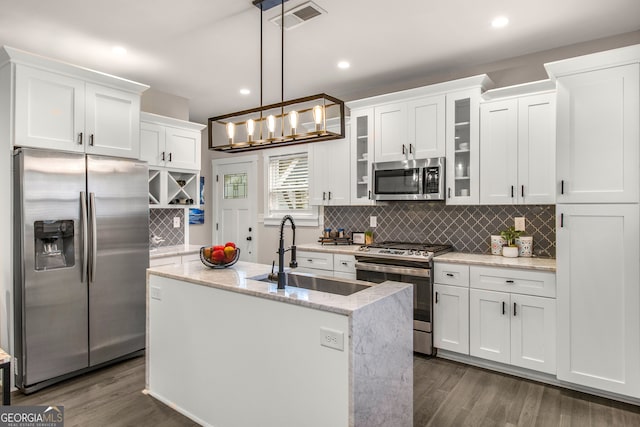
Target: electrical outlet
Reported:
[(156, 293), (373, 221), (176, 222), (332, 338), (519, 223)]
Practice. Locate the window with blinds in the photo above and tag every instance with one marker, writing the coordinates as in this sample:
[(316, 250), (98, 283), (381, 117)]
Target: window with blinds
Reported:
[(289, 183)]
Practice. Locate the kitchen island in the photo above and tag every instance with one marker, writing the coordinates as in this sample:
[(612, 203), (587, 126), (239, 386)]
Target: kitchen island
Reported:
[(227, 350)]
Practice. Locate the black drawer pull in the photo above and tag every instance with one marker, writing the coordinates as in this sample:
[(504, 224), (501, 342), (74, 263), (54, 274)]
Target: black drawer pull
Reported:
[(509, 281), (562, 187), (450, 274)]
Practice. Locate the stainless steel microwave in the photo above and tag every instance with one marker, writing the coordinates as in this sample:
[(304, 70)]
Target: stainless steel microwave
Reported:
[(409, 180)]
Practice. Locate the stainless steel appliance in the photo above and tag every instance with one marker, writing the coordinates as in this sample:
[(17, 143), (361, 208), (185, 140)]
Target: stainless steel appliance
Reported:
[(409, 180), (408, 263), (81, 241)]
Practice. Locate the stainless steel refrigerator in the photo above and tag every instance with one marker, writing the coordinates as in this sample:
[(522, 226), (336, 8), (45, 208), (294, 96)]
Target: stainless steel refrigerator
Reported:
[(81, 234)]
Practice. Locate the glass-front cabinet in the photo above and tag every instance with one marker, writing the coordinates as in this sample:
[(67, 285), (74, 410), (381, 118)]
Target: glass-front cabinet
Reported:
[(463, 144), (361, 156)]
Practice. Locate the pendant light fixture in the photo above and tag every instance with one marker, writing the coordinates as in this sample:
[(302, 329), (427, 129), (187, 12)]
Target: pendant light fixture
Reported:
[(313, 118)]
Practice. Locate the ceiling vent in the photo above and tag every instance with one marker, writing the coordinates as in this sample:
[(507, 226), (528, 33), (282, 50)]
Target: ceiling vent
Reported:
[(299, 15)]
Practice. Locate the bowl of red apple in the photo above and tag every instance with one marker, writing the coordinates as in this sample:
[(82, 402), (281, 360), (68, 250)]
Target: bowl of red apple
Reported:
[(219, 256)]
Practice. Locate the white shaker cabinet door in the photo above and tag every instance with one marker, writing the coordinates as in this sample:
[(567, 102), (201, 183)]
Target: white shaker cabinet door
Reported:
[(391, 132), (598, 136), (182, 148), (451, 318), (533, 333), (426, 127), (49, 110), (112, 122), (498, 152), (152, 143), (598, 297), (489, 325), (537, 149)]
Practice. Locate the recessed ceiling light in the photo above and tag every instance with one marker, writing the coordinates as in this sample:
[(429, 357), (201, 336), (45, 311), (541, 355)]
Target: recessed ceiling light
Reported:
[(244, 91), (500, 22), (343, 65), (119, 50)]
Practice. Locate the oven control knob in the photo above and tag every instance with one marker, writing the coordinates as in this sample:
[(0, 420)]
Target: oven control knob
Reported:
[(410, 252)]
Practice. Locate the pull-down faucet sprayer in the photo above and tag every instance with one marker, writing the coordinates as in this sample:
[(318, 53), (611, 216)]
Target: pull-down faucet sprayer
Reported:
[(282, 277)]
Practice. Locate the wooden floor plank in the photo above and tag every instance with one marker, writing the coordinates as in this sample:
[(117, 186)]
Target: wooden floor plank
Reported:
[(445, 394)]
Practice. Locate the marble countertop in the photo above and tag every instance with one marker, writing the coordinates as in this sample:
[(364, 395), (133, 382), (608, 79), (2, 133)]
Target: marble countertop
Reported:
[(166, 251), (237, 278), (334, 249), (542, 264)]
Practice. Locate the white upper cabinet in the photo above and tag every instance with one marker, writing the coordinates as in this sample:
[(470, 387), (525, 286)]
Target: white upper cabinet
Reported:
[(362, 156), (112, 122), (426, 126), (463, 157), (56, 111), (598, 136), (49, 110), (170, 143), (537, 149), (410, 130), (329, 172), (599, 296), (517, 150), (391, 132)]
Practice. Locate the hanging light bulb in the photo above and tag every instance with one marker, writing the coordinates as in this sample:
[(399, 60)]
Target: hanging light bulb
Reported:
[(318, 113), (293, 121), (251, 126), (271, 125), (231, 131)]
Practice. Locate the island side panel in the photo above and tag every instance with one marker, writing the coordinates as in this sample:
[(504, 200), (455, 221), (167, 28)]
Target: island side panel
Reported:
[(383, 362), (229, 359)]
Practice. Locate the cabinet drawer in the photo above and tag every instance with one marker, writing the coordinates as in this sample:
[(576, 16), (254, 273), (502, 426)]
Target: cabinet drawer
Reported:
[(344, 263), (319, 260), (451, 274), (528, 282)]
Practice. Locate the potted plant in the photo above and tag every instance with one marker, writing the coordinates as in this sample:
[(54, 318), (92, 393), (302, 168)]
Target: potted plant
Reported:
[(510, 235)]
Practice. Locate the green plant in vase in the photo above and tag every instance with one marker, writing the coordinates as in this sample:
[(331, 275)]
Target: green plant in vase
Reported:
[(510, 235)]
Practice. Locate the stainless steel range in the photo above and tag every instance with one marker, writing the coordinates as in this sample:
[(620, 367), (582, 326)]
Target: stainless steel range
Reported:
[(408, 263)]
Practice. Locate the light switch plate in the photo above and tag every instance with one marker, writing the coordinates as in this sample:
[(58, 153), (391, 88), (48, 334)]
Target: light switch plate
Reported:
[(373, 221), (156, 293), (332, 338), (519, 223), (176, 222)]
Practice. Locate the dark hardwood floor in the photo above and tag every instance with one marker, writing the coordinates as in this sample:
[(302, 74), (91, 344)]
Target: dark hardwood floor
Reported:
[(445, 394)]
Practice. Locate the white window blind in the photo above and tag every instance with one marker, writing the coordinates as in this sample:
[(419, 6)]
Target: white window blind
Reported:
[(289, 183)]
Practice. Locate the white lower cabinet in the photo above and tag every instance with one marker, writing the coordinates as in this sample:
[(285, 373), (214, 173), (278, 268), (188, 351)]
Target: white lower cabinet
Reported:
[(326, 264), (451, 318), (512, 317), (513, 329)]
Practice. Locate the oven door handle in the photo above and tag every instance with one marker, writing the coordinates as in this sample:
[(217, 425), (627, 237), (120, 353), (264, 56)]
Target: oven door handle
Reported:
[(383, 268)]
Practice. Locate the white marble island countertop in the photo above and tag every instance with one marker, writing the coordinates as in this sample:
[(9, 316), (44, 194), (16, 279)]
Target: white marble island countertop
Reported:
[(237, 278)]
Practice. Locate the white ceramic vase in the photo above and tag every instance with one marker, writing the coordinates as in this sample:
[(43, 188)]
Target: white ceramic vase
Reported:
[(497, 242), (510, 251)]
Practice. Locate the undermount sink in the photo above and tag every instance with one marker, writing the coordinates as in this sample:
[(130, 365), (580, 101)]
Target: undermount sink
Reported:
[(319, 283)]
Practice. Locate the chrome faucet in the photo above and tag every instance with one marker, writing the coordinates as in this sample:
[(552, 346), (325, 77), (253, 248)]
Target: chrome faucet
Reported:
[(282, 277)]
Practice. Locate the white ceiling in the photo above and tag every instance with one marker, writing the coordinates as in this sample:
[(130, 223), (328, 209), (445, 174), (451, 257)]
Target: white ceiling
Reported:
[(206, 50)]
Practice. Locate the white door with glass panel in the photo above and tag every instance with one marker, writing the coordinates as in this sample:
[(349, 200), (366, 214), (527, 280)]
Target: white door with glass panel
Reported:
[(235, 218)]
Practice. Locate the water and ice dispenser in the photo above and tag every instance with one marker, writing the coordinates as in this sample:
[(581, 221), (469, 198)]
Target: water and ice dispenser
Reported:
[(54, 244)]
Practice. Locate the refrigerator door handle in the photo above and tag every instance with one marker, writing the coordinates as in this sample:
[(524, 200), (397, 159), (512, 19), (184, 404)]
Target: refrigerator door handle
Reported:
[(85, 236), (94, 238)]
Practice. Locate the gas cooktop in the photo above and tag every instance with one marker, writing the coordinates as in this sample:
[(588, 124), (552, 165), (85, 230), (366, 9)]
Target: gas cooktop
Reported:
[(404, 250)]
